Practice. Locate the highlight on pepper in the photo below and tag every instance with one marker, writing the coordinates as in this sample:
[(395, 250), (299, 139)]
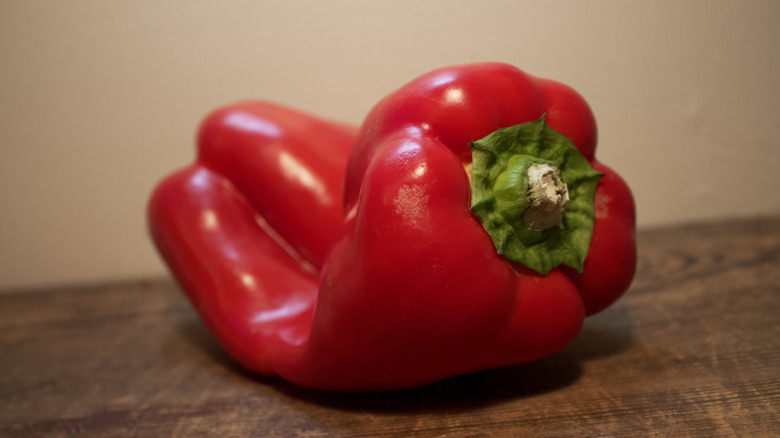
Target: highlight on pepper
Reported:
[(366, 258)]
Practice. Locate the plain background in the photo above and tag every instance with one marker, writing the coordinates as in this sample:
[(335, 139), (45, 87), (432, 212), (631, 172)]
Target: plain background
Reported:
[(100, 99)]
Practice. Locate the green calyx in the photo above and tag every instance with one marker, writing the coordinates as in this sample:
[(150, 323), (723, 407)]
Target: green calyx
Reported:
[(533, 192)]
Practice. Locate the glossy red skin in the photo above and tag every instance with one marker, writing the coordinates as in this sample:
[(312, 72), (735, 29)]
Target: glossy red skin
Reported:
[(404, 289), (456, 105), (251, 291)]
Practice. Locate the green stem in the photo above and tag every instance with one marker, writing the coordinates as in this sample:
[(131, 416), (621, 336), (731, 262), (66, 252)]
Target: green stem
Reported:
[(533, 192)]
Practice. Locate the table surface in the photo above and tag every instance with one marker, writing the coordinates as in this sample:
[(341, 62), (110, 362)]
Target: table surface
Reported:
[(693, 349)]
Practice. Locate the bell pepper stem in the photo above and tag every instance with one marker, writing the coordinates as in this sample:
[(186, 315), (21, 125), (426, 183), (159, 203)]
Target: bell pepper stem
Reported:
[(533, 192), (547, 197)]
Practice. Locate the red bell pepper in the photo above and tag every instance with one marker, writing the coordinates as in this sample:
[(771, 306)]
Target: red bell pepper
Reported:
[(476, 230)]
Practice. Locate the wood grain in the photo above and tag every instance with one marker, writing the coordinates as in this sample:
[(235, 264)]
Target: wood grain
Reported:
[(693, 349)]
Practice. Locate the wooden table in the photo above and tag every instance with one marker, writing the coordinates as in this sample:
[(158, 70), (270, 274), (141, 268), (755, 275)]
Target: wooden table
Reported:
[(692, 349)]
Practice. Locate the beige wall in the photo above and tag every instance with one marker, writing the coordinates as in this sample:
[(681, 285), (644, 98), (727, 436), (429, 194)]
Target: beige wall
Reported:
[(99, 99)]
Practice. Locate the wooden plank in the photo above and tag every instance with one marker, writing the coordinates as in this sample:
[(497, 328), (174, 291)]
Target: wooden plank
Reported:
[(692, 350)]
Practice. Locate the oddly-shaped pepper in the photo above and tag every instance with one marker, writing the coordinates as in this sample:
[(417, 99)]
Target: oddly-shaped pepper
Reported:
[(432, 264)]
